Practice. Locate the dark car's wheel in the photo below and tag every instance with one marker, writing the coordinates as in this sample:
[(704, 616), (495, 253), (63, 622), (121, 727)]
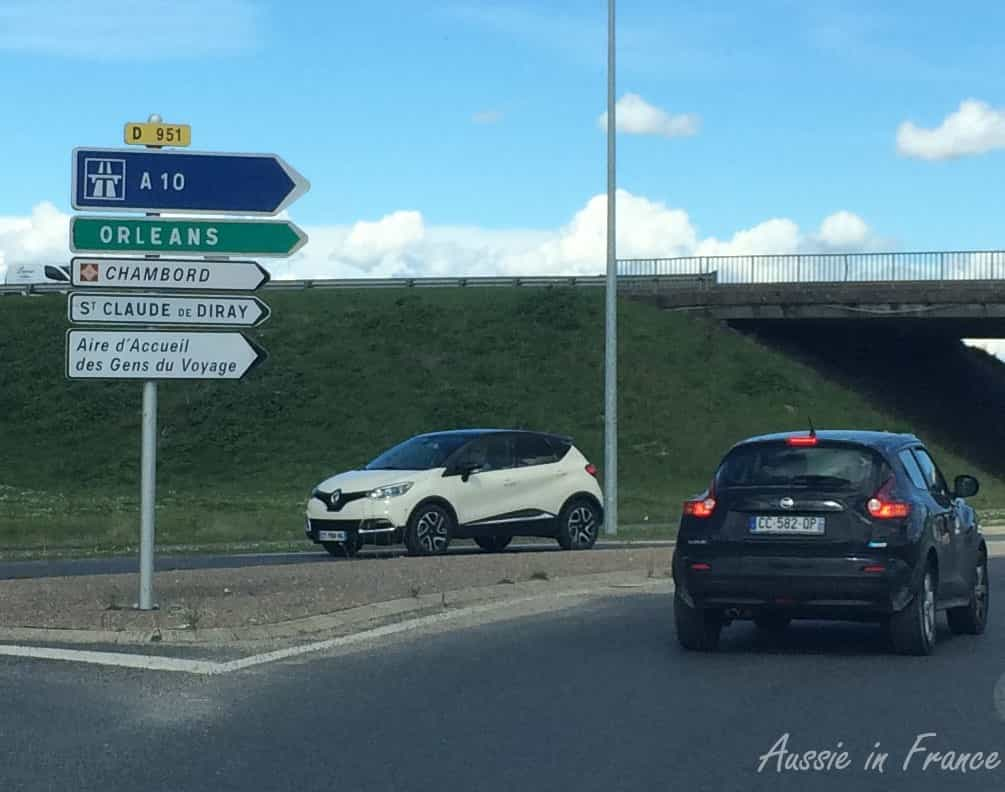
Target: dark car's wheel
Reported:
[(912, 630), (429, 530), (346, 549), (771, 621), (578, 525), (493, 544), (972, 618), (698, 629)]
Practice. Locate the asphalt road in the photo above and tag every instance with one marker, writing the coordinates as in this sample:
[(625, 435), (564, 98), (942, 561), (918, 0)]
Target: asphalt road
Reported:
[(598, 697), (117, 565)]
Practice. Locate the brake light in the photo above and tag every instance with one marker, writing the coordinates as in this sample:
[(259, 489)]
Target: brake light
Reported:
[(802, 441), (700, 507), (591, 469), (883, 506)]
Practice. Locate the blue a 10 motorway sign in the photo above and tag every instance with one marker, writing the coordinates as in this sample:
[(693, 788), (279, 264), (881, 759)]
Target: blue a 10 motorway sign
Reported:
[(182, 181)]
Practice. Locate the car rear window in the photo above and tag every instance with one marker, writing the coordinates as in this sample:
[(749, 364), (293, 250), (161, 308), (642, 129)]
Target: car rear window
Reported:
[(822, 466), (534, 450)]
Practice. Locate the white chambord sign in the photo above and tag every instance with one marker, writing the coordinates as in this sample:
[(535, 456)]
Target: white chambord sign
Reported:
[(139, 273), (167, 309), (145, 355)]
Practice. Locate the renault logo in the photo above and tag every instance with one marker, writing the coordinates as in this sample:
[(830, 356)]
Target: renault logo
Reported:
[(786, 503), (335, 497)]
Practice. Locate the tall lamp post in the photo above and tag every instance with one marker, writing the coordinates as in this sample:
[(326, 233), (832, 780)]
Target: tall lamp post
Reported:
[(611, 312)]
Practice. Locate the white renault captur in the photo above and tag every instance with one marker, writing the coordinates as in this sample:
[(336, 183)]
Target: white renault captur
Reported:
[(483, 484)]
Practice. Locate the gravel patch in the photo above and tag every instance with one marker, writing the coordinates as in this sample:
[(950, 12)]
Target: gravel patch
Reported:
[(234, 598)]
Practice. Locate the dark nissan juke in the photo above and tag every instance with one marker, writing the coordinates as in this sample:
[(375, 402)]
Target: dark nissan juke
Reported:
[(831, 525)]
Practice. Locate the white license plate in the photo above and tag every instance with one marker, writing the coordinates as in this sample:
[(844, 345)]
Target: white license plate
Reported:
[(331, 536), (786, 524)]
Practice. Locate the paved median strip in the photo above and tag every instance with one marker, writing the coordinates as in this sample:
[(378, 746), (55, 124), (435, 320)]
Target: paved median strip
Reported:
[(212, 668)]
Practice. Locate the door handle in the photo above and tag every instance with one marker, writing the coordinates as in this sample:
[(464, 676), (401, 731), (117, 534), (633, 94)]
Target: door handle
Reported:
[(509, 483)]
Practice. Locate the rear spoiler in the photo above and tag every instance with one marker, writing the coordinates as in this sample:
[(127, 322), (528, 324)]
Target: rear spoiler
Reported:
[(561, 438)]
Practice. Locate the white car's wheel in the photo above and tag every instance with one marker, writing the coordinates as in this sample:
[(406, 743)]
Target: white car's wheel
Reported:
[(429, 530), (578, 525)]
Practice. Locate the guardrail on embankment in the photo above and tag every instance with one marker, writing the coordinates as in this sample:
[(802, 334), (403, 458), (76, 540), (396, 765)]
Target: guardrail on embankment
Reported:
[(697, 272), (685, 280)]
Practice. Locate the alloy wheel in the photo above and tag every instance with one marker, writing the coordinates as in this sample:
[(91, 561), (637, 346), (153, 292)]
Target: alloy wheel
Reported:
[(981, 592), (582, 526), (928, 608), (431, 531)]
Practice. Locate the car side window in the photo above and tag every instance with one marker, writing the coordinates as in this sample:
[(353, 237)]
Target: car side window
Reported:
[(913, 470), (492, 452), (534, 450), (932, 475)]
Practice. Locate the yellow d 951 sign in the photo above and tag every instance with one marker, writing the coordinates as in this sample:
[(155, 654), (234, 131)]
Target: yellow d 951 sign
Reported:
[(158, 134)]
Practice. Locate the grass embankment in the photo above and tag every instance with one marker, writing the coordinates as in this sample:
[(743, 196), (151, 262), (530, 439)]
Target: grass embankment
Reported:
[(354, 372)]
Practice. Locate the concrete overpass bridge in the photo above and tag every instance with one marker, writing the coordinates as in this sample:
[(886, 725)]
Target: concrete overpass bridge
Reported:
[(959, 293)]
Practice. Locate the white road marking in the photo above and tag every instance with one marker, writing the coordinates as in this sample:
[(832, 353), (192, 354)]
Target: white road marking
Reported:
[(119, 659), (213, 667)]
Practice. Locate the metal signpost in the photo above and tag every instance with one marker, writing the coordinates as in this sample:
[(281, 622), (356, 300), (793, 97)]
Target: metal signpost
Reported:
[(611, 303), (154, 181)]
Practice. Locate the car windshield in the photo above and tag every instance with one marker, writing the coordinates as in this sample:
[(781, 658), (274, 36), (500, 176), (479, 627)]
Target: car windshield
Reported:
[(424, 452), (821, 467)]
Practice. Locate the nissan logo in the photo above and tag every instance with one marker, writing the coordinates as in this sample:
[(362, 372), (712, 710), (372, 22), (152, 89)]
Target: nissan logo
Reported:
[(786, 503)]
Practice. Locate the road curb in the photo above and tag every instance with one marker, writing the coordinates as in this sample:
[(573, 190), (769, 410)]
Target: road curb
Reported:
[(345, 621)]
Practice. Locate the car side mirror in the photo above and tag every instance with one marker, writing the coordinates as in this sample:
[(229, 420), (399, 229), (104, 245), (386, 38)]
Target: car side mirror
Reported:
[(467, 470), (464, 471), (965, 487)]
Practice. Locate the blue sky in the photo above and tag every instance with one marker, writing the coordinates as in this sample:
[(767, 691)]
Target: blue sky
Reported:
[(474, 125)]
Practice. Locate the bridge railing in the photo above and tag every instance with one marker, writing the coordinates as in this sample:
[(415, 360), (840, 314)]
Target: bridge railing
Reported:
[(828, 267)]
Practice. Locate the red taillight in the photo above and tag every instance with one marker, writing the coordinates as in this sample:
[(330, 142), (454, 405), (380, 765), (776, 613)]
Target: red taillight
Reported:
[(591, 469), (802, 442), (703, 506), (700, 507), (883, 506), (701, 566), (874, 569)]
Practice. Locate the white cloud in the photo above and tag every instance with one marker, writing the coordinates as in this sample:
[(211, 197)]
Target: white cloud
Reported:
[(487, 117), (402, 244), (844, 230), (635, 116), (841, 232), (778, 235), (368, 241), (974, 128), (41, 237), (120, 29)]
